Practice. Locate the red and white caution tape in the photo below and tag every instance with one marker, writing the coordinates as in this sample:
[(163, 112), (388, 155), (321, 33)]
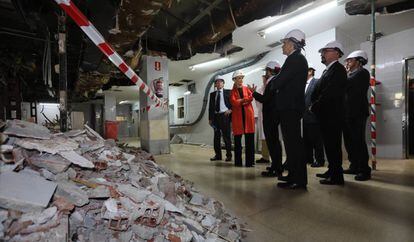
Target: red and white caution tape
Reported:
[(373, 125), (87, 27)]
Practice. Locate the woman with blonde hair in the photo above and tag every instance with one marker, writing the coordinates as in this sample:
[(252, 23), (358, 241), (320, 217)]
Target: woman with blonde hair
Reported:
[(242, 120)]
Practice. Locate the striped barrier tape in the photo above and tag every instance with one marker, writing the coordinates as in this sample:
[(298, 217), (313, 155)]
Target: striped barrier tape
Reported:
[(89, 29), (373, 122)]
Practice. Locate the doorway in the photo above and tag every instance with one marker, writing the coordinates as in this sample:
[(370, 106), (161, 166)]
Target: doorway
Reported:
[(408, 121)]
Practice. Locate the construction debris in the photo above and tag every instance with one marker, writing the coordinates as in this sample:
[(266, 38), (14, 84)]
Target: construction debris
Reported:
[(76, 186)]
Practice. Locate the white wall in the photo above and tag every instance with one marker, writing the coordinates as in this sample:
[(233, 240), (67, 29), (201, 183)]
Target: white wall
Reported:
[(202, 133), (391, 50)]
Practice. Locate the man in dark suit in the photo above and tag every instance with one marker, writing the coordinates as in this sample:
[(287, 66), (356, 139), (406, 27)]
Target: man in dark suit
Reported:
[(311, 128), (328, 105), (288, 89), (356, 114), (219, 118), (270, 125)]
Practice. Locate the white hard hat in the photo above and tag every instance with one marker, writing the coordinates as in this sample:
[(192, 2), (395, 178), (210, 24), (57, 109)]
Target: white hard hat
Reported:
[(237, 73), (297, 35), (218, 77), (272, 65), (333, 45), (358, 53)]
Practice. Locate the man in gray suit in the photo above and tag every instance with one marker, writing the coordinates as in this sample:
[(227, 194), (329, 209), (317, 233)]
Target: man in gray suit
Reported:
[(311, 128)]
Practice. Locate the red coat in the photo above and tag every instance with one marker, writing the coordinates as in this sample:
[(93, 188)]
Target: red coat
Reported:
[(236, 115)]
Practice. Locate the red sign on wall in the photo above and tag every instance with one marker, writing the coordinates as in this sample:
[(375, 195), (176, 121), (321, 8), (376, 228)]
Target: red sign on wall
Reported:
[(157, 66)]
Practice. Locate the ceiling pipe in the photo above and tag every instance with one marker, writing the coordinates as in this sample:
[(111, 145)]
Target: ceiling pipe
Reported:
[(237, 66)]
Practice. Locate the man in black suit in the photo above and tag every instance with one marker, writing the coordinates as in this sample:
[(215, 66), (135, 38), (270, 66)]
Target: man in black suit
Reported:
[(356, 114), (311, 128), (270, 124), (219, 118), (288, 89), (328, 105)]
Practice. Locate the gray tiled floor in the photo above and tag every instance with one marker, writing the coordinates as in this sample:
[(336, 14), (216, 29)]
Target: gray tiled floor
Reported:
[(378, 210)]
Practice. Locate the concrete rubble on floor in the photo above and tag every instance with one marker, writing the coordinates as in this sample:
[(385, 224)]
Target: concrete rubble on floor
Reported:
[(77, 186)]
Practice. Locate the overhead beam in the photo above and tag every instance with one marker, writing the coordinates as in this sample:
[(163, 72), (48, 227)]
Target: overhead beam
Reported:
[(198, 17)]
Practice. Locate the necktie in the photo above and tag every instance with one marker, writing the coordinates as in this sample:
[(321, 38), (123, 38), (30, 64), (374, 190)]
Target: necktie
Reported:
[(218, 101)]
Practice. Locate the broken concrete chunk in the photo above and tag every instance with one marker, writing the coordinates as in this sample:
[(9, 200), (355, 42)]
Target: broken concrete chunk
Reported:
[(196, 199), (46, 215), (26, 129), (143, 232), (51, 146), (111, 205), (72, 193), (77, 159), (93, 132), (47, 174), (208, 221), (193, 225), (53, 163), (99, 192), (74, 133), (27, 192), (6, 148), (3, 138), (135, 194)]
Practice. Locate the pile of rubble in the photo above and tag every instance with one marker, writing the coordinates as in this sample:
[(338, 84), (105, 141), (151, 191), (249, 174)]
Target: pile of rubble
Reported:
[(77, 186)]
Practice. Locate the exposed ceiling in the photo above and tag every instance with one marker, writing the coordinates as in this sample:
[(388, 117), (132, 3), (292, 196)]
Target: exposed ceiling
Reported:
[(186, 31)]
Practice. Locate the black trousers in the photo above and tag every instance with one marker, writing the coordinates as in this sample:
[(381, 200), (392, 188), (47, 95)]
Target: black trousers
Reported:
[(355, 144), (249, 151), (271, 132), (222, 128), (313, 143), (331, 130), (291, 131)]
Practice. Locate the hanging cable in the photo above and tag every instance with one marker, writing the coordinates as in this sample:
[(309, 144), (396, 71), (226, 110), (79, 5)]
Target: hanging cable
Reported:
[(232, 15)]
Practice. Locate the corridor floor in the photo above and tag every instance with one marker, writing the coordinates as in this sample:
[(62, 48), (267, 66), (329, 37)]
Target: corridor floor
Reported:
[(381, 209)]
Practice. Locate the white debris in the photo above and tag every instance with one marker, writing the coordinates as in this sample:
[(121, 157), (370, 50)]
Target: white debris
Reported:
[(77, 159)]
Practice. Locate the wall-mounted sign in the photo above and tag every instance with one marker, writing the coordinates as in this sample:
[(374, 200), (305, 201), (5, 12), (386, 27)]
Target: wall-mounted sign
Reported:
[(157, 66)]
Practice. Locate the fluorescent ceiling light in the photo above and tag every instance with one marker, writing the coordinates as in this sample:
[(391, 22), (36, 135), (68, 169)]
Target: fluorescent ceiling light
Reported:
[(187, 93), (124, 102), (209, 63), (301, 17)]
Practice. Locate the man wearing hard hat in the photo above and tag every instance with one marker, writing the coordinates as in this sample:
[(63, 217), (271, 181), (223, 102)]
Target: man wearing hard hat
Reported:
[(328, 105), (219, 111), (356, 114), (287, 89), (268, 128)]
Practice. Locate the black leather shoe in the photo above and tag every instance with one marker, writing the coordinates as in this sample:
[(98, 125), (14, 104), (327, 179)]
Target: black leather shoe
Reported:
[(295, 186), (330, 181), (262, 161), (283, 184), (228, 158), (323, 175), (270, 173), (362, 177), (317, 164), (350, 171), (215, 158)]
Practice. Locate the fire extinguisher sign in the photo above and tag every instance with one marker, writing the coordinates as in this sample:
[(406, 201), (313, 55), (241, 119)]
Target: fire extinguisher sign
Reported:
[(157, 66)]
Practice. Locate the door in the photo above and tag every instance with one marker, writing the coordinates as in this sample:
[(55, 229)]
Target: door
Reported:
[(408, 122)]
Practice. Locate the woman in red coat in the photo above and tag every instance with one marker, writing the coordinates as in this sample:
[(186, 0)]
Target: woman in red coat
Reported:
[(242, 120)]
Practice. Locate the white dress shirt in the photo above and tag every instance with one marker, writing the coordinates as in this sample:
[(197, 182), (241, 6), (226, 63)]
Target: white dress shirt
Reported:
[(223, 107), (307, 83)]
